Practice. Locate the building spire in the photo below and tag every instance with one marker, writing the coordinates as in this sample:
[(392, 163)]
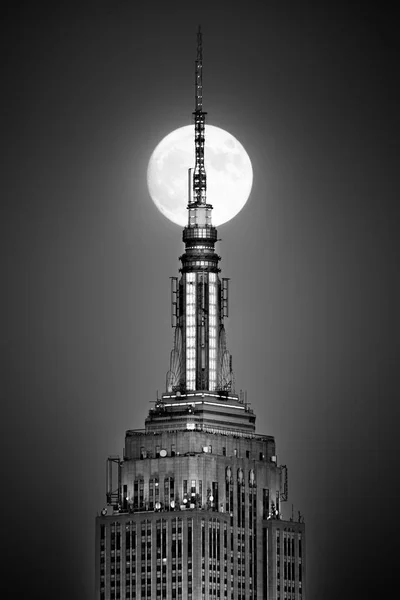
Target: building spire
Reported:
[(200, 361), (199, 176), (199, 73)]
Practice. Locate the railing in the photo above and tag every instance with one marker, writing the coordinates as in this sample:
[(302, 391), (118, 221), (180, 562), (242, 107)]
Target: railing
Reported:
[(207, 507), (200, 429)]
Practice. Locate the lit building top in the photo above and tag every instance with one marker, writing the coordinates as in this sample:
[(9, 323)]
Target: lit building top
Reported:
[(199, 359), (200, 378)]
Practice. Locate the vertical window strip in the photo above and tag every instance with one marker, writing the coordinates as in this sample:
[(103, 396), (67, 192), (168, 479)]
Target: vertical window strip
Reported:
[(212, 331), (103, 539), (190, 557), (255, 541), (190, 331), (158, 558), (203, 542), (148, 560)]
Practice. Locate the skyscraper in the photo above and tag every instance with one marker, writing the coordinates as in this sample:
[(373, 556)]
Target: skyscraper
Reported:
[(194, 507)]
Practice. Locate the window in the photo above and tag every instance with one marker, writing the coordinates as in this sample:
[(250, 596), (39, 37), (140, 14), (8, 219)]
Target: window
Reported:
[(167, 493), (265, 503)]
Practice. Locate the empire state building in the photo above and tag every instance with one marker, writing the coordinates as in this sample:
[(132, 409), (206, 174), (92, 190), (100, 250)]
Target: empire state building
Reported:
[(194, 506)]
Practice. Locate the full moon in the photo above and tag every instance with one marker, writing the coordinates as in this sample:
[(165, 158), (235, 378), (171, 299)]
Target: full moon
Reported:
[(228, 168)]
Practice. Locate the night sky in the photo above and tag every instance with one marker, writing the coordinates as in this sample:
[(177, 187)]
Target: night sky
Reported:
[(88, 90)]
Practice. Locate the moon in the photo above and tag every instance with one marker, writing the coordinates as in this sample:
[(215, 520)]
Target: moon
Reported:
[(228, 168)]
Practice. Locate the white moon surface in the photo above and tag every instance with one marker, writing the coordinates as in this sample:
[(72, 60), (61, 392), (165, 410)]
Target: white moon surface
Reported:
[(228, 168)]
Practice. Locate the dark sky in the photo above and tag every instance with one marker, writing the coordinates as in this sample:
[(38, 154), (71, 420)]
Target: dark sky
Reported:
[(310, 90)]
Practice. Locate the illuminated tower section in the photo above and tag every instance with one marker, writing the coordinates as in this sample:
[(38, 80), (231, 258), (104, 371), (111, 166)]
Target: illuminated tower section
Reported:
[(199, 360)]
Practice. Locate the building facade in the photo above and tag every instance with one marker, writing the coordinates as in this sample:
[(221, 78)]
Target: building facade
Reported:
[(194, 506)]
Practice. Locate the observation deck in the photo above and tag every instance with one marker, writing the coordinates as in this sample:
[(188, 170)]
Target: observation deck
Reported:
[(196, 232), (194, 411)]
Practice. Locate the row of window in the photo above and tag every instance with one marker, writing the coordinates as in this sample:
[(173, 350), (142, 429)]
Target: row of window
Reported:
[(289, 544), (199, 232), (200, 263), (138, 542), (289, 567), (190, 496), (145, 453)]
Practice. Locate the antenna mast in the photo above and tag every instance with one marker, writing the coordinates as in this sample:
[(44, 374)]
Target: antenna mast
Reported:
[(199, 177)]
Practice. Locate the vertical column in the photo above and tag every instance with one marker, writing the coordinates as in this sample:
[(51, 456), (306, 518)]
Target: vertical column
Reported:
[(190, 331), (212, 331)]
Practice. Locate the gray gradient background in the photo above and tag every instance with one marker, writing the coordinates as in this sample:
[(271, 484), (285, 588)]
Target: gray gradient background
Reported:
[(310, 91)]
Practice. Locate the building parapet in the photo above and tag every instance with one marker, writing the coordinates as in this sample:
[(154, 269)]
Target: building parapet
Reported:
[(201, 429)]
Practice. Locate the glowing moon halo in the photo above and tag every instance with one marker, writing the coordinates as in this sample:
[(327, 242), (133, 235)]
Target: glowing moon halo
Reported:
[(228, 168)]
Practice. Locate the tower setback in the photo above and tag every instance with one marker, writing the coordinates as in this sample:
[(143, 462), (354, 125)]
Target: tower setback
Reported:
[(194, 507)]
